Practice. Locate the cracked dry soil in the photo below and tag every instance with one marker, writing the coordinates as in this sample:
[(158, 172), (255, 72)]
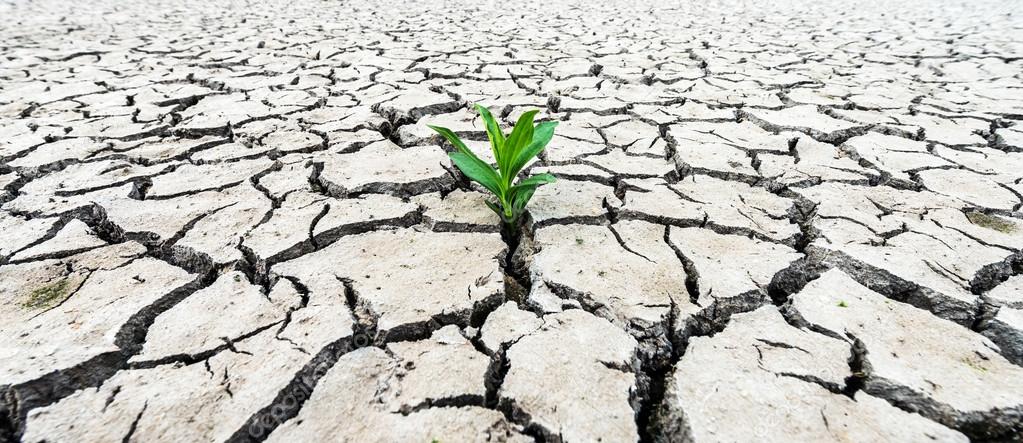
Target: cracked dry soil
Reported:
[(786, 222)]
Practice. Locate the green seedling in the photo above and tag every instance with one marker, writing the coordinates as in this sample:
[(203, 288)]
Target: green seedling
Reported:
[(843, 304), (512, 153)]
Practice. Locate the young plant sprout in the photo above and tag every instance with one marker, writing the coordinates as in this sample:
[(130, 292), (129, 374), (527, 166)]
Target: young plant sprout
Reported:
[(512, 153)]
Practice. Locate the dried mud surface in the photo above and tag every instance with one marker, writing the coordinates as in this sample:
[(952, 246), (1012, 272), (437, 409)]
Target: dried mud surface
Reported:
[(228, 221)]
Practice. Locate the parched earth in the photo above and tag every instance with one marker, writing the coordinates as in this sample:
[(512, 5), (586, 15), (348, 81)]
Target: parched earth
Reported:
[(787, 221)]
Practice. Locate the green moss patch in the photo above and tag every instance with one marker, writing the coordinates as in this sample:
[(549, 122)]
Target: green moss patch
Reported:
[(991, 222), (47, 296)]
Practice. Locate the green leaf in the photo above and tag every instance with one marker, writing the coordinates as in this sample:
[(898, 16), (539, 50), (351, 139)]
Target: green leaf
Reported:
[(451, 138), (536, 180), (471, 165), (493, 207), (541, 136), (493, 132), (478, 171), (519, 199), (520, 194), (521, 135)]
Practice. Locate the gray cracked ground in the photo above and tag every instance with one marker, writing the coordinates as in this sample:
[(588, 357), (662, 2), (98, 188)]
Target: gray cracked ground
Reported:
[(227, 221)]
